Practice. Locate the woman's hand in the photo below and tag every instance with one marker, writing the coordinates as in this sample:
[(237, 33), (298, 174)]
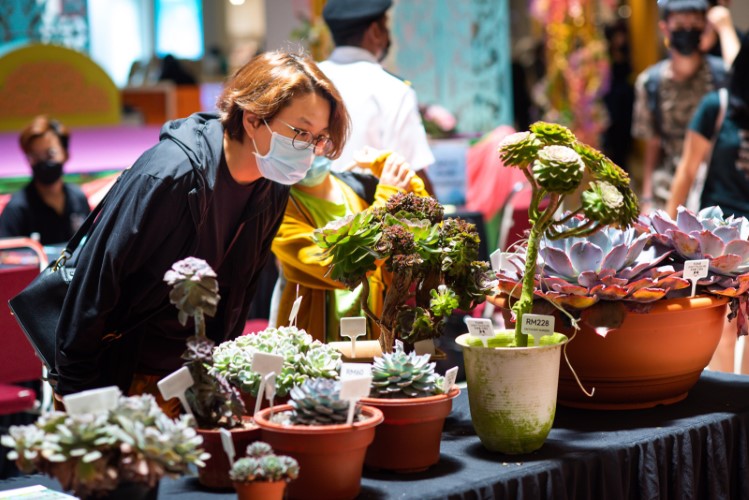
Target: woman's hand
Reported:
[(396, 172)]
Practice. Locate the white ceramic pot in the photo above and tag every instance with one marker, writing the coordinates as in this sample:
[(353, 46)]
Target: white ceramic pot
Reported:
[(512, 392)]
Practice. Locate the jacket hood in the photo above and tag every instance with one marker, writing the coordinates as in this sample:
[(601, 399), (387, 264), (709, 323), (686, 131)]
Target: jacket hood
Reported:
[(199, 135)]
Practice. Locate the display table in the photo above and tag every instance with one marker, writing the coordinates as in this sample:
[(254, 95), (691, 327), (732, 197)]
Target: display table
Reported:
[(698, 448)]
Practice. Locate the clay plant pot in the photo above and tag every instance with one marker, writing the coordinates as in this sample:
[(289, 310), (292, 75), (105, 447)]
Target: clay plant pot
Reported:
[(215, 474), (409, 438), (260, 490), (330, 457), (652, 359), (512, 393)]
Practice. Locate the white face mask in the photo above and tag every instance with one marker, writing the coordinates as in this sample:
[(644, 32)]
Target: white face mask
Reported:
[(283, 163)]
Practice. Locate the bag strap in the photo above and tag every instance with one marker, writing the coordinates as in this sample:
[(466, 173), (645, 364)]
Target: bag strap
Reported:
[(723, 98)]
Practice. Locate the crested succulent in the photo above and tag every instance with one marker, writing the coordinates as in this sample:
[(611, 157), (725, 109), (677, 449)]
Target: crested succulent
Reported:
[(401, 375), (423, 251), (555, 164), (304, 358), (214, 402), (261, 464), (317, 402), (91, 454)]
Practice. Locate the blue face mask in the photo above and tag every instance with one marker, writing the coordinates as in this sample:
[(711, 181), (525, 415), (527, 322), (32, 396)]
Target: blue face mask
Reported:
[(317, 173), (283, 163)]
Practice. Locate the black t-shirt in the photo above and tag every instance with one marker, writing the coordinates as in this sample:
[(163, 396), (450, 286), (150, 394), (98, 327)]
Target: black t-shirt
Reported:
[(26, 213)]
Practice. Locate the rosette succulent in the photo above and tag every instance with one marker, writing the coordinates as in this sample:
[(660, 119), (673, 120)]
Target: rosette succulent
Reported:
[(433, 261), (317, 402), (261, 464), (401, 375), (555, 163), (304, 358), (91, 454)]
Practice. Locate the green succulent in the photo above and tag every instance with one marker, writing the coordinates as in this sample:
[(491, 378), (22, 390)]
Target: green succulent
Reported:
[(91, 454), (519, 149), (553, 134), (401, 375), (558, 169), (602, 202), (194, 290), (317, 402), (601, 167), (261, 464), (304, 358)]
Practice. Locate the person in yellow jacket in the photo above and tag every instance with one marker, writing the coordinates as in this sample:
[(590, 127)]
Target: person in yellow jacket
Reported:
[(322, 197)]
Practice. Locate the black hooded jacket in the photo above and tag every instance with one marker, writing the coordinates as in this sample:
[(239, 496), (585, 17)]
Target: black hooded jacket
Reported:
[(154, 216)]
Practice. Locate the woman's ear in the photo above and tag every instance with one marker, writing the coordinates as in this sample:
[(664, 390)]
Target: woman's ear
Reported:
[(250, 122)]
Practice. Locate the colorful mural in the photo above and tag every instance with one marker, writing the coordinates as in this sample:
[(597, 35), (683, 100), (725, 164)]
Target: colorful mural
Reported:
[(62, 22)]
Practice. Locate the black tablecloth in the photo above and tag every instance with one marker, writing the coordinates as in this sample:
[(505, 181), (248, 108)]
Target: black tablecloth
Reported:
[(698, 448)]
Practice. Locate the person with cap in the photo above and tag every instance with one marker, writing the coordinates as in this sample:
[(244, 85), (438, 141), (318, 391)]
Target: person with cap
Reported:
[(384, 110), (667, 93), (47, 205)]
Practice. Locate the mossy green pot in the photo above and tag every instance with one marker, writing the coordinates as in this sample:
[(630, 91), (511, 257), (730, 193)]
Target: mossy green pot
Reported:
[(512, 393)]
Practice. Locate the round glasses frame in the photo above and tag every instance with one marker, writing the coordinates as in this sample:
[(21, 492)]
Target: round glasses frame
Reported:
[(304, 140)]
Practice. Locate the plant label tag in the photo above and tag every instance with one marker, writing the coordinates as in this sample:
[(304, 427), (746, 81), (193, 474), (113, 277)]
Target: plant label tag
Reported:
[(355, 370), (424, 347), (353, 328), (450, 376), (175, 384), (93, 400), (353, 389), (537, 325), (228, 444), (694, 270), (264, 363), (500, 260), (398, 345), (269, 384), (481, 328), (295, 310)]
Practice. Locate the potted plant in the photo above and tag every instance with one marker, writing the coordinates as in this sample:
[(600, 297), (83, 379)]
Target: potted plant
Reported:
[(433, 262), (120, 453), (408, 392), (312, 429), (512, 383), (630, 283), (262, 475), (214, 402), (304, 358)]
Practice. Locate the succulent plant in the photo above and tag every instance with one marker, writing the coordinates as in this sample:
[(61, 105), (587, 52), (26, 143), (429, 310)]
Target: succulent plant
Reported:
[(214, 402), (304, 358), (422, 251), (317, 402), (90, 454), (401, 375), (554, 163), (261, 464)]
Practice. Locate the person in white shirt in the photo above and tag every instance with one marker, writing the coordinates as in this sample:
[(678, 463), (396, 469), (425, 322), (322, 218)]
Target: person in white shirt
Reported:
[(383, 109)]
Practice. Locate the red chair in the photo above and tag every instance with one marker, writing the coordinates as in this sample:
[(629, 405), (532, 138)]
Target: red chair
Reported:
[(18, 361)]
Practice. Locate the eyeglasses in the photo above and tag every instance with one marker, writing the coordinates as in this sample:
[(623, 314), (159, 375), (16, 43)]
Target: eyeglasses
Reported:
[(304, 140)]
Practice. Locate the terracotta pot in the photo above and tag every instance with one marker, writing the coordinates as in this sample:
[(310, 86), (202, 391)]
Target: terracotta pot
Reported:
[(409, 438), (215, 474), (653, 358), (330, 457), (260, 490)]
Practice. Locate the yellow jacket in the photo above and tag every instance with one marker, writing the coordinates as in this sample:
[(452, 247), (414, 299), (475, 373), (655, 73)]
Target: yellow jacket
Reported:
[(301, 263)]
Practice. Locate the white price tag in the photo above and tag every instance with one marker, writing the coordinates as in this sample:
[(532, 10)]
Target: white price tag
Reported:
[(694, 270), (482, 328), (450, 376), (353, 328), (398, 345), (228, 444), (175, 384), (265, 363), (500, 260), (294, 311), (353, 389), (355, 370), (268, 377), (537, 325), (93, 400), (424, 347)]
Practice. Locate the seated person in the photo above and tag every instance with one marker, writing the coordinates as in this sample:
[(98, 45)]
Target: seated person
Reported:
[(321, 197), (46, 205)]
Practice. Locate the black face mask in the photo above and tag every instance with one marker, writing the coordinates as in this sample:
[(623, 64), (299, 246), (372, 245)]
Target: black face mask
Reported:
[(686, 42), (47, 172)]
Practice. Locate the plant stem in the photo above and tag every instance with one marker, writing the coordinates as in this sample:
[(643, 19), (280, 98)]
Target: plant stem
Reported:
[(199, 322), (525, 304)]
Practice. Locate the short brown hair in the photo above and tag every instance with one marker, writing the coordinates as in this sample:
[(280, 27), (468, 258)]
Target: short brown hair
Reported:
[(269, 82), (39, 126)]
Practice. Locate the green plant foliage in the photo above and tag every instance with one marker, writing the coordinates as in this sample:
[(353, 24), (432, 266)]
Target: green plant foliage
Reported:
[(317, 402), (261, 464), (401, 375)]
